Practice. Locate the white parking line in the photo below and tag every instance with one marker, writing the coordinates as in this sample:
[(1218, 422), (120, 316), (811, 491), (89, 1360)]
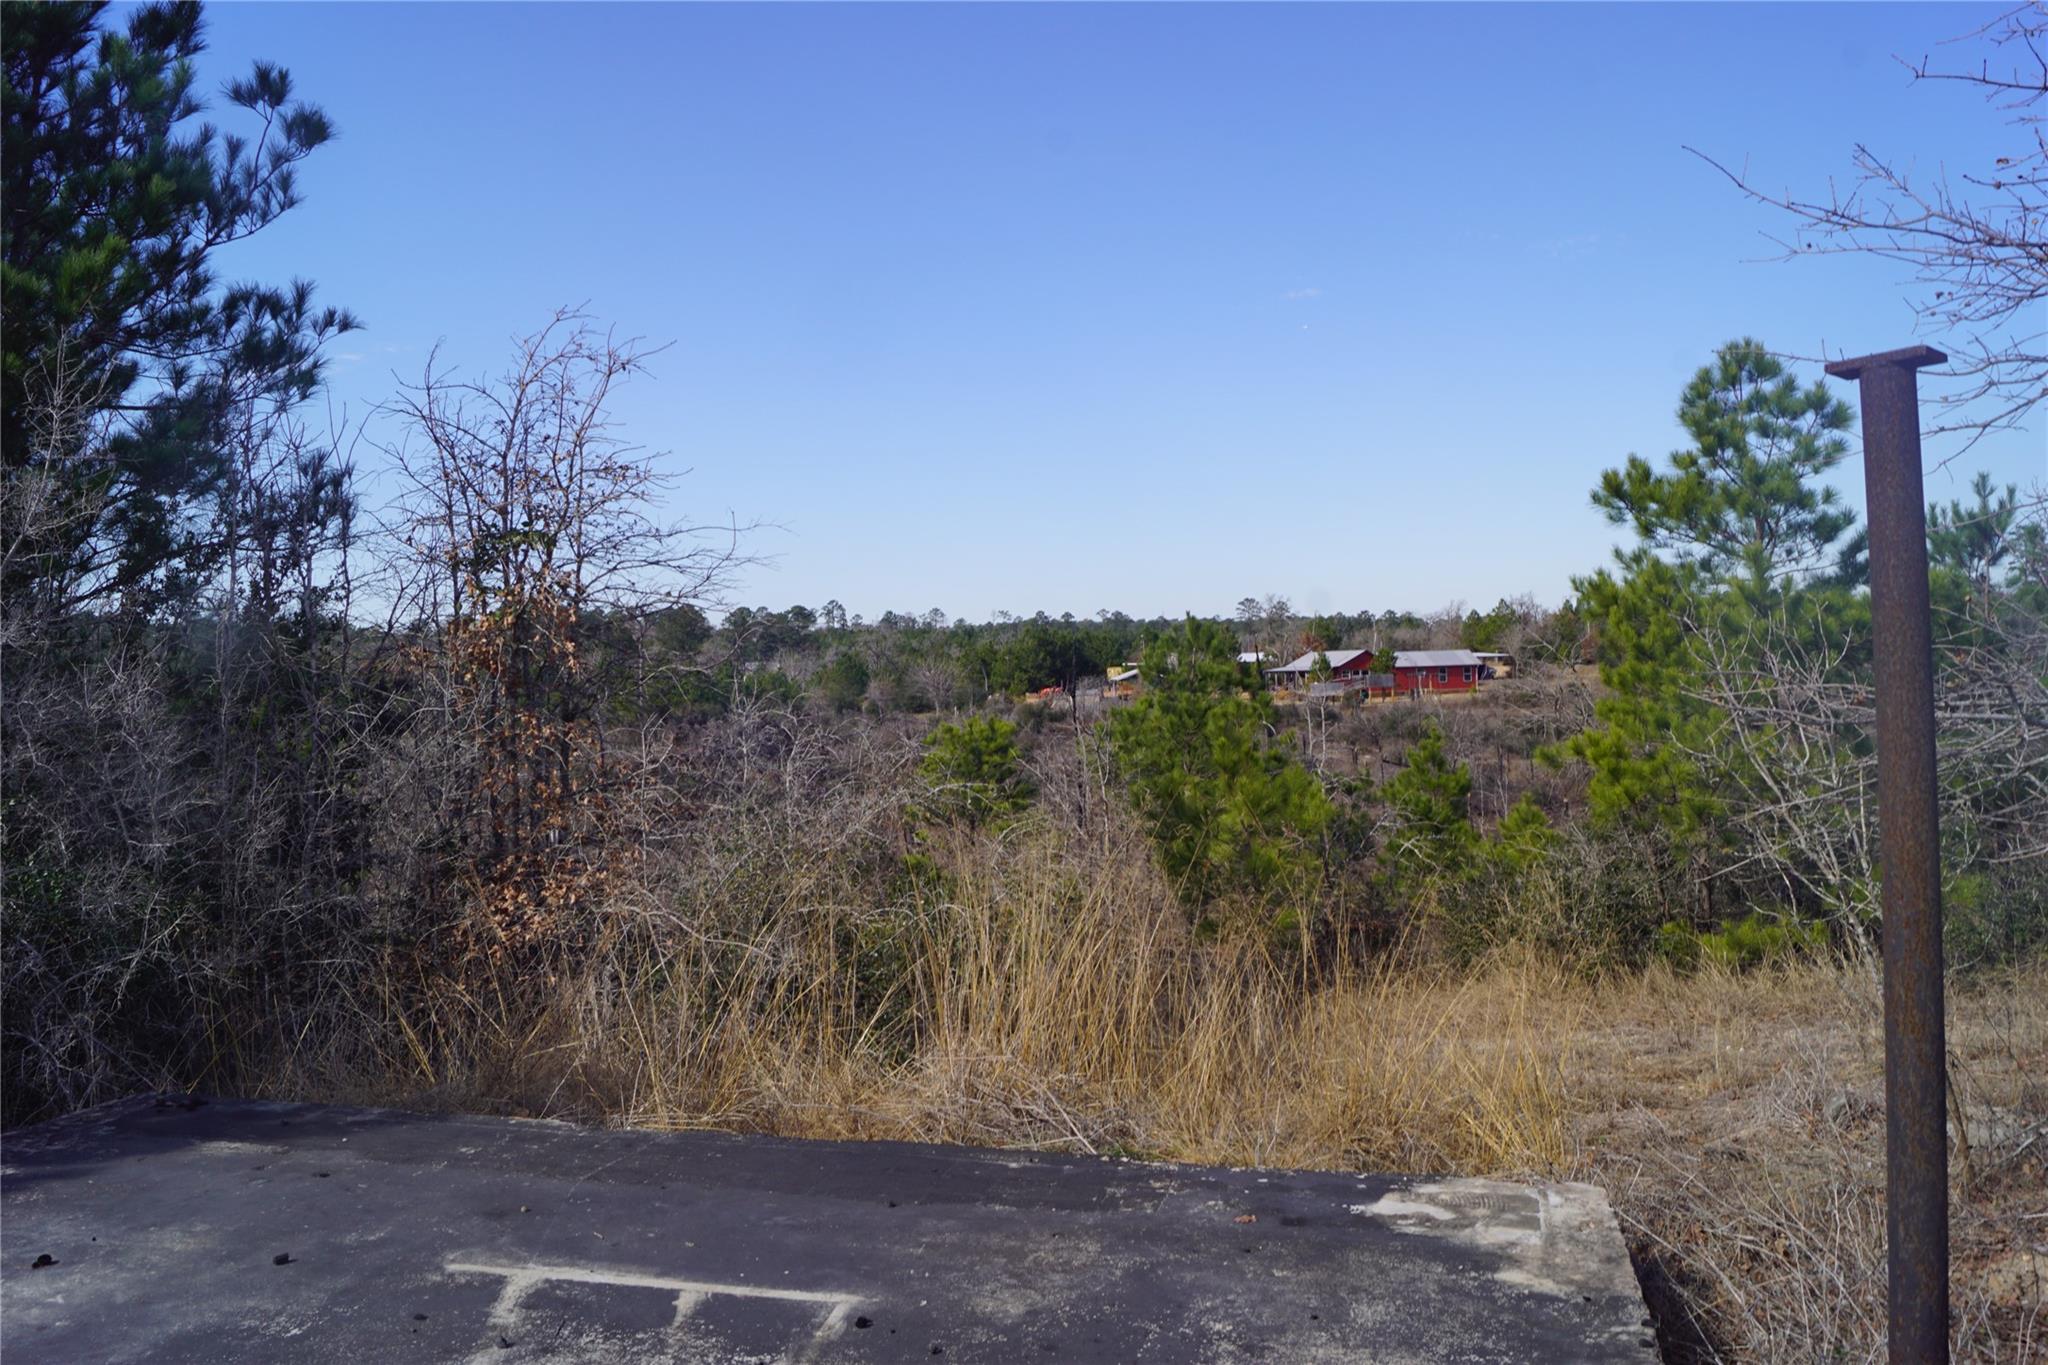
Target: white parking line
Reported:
[(520, 1280)]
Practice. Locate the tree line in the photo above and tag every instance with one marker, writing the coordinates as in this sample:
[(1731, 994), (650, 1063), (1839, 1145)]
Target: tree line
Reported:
[(921, 662)]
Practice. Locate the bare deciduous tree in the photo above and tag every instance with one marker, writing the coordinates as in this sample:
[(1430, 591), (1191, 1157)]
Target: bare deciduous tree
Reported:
[(1802, 774), (530, 527), (1975, 244), (48, 504)]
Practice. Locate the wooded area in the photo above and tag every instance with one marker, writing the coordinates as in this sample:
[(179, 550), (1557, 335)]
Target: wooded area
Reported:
[(490, 794)]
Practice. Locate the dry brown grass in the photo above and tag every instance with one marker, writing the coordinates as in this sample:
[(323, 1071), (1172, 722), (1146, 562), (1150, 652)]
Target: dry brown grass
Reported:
[(1738, 1122), (1047, 996), (1033, 1009)]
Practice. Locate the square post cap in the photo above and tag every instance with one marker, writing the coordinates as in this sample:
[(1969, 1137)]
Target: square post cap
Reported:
[(1906, 358)]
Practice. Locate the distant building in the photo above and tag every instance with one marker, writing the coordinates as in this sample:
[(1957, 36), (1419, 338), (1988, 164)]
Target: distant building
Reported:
[(1347, 667), (1497, 665), (1414, 671), (1342, 664), (1437, 670)]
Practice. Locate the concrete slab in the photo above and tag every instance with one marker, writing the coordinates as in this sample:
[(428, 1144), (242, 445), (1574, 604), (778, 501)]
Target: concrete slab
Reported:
[(239, 1231)]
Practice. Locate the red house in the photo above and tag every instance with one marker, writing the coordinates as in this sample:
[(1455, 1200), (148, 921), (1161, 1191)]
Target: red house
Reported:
[(1437, 670)]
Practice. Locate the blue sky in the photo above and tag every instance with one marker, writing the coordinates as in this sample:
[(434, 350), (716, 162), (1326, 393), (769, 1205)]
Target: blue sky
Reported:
[(1146, 308)]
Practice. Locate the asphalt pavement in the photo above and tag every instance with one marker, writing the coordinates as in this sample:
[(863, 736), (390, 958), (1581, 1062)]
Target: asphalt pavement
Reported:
[(218, 1232)]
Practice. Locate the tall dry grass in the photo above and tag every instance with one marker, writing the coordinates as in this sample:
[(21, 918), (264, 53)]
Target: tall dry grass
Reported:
[(1023, 1004), (1737, 1121), (1735, 1118)]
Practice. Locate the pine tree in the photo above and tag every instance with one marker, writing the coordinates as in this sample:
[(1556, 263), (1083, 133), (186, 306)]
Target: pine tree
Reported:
[(843, 682), (124, 358), (1231, 813), (1743, 502), (1974, 542), (975, 769), (1735, 535), (1641, 754), (1430, 797), (1525, 835)]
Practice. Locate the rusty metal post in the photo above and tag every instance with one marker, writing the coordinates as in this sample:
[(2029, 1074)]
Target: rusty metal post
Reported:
[(1915, 1074)]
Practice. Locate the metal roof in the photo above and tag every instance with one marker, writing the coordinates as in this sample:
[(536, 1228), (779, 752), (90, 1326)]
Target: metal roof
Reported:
[(1307, 662), (1435, 658)]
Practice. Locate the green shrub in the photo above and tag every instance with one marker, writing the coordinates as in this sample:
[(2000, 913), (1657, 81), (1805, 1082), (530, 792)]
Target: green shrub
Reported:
[(1740, 944), (1996, 916), (843, 682), (1430, 797), (1234, 816), (975, 771), (1525, 836)]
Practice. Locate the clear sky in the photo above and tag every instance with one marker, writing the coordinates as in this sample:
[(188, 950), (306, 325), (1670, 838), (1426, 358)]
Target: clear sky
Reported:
[(1145, 308)]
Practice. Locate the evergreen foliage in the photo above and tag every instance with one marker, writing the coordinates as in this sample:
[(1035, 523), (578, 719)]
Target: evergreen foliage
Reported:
[(843, 682), (1743, 502), (1735, 538), (126, 361), (1651, 724), (975, 770), (1429, 797), (1524, 837), (1968, 546), (1489, 633), (1752, 941), (1232, 813)]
